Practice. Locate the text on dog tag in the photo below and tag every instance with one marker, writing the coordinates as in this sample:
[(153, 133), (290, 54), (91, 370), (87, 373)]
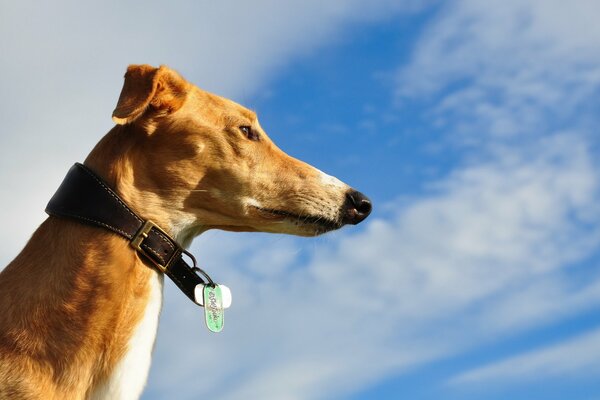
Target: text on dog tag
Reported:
[(213, 308)]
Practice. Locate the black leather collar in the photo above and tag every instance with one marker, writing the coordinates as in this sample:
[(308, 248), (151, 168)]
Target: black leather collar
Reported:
[(84, 196)]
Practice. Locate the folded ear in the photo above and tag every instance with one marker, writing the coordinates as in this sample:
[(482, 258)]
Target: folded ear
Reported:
[(160, 89)]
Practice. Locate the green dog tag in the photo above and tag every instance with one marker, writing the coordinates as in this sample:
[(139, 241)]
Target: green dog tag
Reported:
[(213, 308)]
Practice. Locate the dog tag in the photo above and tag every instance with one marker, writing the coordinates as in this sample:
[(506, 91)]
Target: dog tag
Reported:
[(225, 295), (213, 308)]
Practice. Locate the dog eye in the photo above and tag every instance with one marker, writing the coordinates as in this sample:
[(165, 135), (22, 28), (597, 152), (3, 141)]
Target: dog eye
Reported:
[(249, 132)]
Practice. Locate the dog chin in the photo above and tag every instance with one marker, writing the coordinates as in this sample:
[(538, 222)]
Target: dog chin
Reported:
[(283, 221), (312, 228)]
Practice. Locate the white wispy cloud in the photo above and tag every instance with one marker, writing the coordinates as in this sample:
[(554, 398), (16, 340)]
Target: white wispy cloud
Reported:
[(577, 357), (503, 68), (505, 77)]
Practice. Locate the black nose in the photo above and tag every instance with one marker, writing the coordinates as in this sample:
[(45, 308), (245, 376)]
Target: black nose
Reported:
[(356, 208)]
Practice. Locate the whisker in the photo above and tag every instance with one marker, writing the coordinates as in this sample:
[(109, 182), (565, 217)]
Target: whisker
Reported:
[(173, 190)]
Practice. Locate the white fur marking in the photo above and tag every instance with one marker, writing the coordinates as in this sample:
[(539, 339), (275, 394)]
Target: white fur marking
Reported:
[(252, 202), (183, 230), (129, 377), (329, 180)]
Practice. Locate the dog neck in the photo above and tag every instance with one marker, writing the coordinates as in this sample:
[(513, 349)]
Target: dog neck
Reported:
[(134, 179)]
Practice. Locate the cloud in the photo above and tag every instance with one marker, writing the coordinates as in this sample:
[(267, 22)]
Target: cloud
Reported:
[(509, 67), (577, 357)]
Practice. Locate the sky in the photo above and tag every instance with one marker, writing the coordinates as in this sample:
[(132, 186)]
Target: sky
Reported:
[(472, 126)]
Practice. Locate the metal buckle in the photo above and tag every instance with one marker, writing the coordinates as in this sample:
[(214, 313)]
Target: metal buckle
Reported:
[(141, 235)]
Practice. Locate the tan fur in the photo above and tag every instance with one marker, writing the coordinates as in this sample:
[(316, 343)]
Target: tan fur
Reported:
[(73, 296)]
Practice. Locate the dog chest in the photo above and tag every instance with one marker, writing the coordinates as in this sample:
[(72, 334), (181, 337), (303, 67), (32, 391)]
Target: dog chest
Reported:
[(129, 377)]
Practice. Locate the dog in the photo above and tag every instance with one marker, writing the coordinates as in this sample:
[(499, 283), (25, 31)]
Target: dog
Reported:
[(79, 307)]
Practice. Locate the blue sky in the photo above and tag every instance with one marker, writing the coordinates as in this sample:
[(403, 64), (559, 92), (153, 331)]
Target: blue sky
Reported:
[(473, 126)]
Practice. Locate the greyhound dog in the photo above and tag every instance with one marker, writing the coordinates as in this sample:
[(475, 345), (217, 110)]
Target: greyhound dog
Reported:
[(79, 307)]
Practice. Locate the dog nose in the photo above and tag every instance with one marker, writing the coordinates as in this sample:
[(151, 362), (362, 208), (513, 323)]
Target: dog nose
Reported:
[(356, 208)]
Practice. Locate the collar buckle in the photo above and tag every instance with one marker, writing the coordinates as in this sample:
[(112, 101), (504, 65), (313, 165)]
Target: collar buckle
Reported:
[(141, 235)]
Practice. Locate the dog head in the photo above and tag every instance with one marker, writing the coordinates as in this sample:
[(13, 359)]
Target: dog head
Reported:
[(196, 161)]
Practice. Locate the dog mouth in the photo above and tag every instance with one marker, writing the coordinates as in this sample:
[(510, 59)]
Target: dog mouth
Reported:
[(322, 224)]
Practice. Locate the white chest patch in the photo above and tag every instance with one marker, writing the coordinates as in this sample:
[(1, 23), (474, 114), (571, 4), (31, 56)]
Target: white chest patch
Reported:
[(130, 375)]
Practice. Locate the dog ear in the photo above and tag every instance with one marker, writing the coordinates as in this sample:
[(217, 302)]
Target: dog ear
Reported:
[(145, 87)]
